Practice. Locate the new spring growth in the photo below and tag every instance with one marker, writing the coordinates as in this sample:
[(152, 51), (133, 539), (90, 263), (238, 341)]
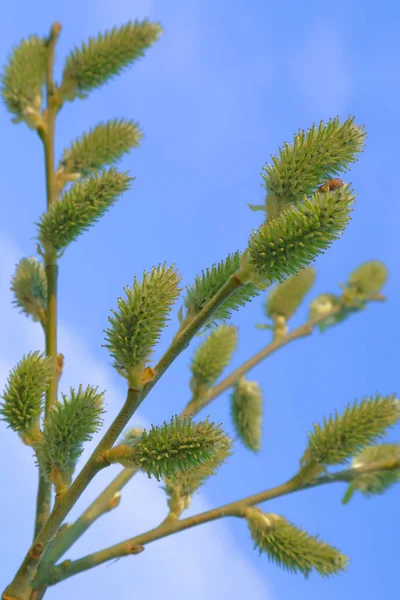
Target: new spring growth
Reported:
[(103, 145), (341, 436), (132, 435), (23, 79), (291, 241), (23, 397), (70, 424), (181, 485), (247, 412), (137, 325), (291, 548), (285, 298), (305, 211), (323, 305), (345, 305), (105, 56), (211, 358), (377, 482), (175, 446), (29, 286), (368, 279), (312, 159), (206, 287), (79, 208), (300, 227)]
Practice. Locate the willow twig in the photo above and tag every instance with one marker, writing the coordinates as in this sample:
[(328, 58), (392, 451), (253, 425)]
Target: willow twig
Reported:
[(168, 527), (69, 536)]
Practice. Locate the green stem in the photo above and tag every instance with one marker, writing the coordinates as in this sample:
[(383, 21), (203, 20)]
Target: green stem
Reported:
[(20, 588), (43, 499), (168, 527), (70, 535)]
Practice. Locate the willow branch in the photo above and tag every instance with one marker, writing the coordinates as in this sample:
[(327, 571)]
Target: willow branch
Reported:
[(136, 544), (70, 535), (20, 587), (53, 106), (108, 500), (196, 405), (43, 499)]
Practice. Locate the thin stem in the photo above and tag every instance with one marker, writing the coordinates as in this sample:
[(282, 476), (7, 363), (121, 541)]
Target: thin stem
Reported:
[(20, 588), (52, 109), (43, 500), (182, 340), (194, 406), (51, 271), (102, 504), (39, 593), (168, 527), (70, 535)]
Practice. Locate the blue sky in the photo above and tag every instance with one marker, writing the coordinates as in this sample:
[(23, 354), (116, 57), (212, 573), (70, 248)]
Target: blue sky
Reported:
[(225, 86)]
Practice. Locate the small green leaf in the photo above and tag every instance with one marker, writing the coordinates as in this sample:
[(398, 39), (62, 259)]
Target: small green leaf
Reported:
[(256, 207), (292, 548), (324, 303)]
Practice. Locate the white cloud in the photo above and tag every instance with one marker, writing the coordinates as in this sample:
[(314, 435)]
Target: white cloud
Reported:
[(200, 563)]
